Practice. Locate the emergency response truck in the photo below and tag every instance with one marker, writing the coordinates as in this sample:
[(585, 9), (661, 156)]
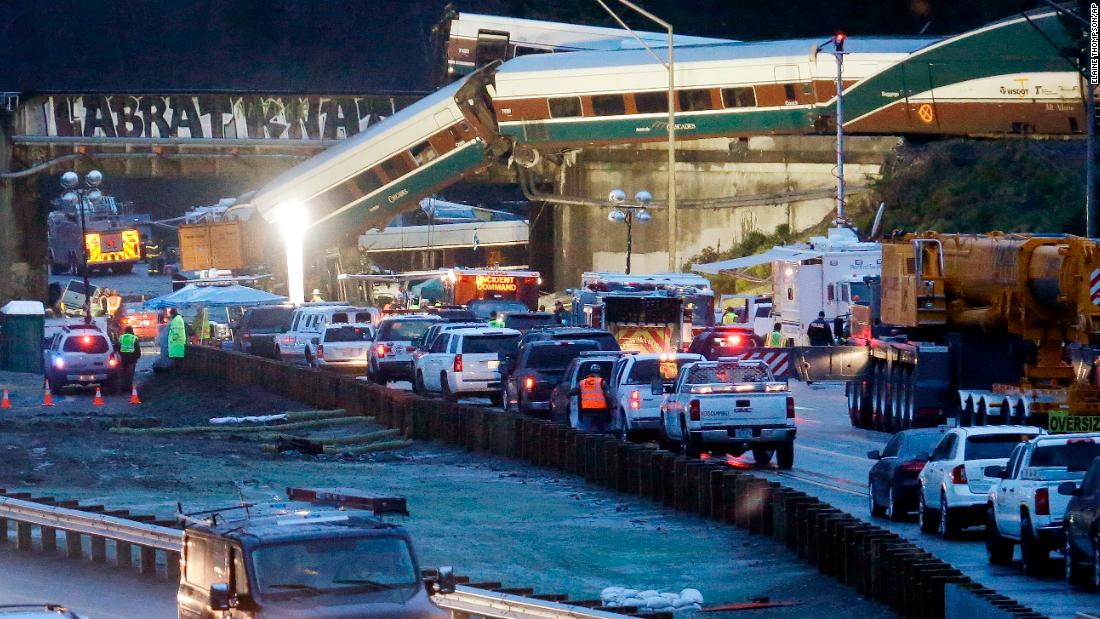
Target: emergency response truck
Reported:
[(112, 245), (465, 285)]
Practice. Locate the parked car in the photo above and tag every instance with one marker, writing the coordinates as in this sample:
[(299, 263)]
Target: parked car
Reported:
[(1025, 506), (344, 346), (82, 354), (537, 368), (465, 361), (734, 406), (309, 321), (483, 308), (563, 403), (603, 338), (724, 341), (263, 331), (953, 485), (36, 611), (893, 484), (636, 404), (525, 321), (453, 314), (1082, 528), (145, 323), (391, 356)]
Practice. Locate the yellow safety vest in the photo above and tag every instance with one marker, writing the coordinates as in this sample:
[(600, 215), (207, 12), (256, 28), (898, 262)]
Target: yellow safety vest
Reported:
[(775, 340), (127, 342)]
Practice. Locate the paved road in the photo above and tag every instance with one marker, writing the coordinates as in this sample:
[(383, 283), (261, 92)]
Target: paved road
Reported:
[(34, 578), (831, 463)]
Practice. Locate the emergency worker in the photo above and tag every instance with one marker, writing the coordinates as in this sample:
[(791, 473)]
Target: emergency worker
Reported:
[(559, 312), (130, 349), (177, 335), (495, 320), (819, 332), (775, 338), (729, 316), (592, 411)]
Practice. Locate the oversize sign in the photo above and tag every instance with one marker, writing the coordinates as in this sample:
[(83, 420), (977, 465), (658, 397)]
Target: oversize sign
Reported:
[(1061, 422), (204, 117)]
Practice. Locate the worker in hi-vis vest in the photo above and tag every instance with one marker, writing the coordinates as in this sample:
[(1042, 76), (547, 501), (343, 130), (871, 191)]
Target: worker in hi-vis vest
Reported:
[(775, 338), (177, 335), (129, 348), (591, 412)]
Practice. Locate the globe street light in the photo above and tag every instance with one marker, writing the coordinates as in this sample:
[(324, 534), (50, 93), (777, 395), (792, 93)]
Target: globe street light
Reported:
[(628, 214), (82, 199)]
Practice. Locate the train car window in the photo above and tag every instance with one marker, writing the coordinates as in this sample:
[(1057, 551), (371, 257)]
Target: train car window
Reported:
[(367, 181), (491, 45), (608, 105), (564, 107), (788, 91), (523, 50), (395, 167), (739, 97), (423, 153), (651, 102), (694, 100)]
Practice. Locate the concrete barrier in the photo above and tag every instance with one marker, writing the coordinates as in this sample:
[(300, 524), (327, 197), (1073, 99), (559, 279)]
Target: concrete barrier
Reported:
[(875, 562)]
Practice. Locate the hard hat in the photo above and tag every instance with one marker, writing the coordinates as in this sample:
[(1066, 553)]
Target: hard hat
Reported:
[(316, 291)]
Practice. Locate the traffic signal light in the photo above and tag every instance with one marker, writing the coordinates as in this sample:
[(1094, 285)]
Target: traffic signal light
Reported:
[(838, 41)]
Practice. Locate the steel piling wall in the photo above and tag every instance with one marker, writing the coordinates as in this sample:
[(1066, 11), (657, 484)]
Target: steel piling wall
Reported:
[(877, 563)]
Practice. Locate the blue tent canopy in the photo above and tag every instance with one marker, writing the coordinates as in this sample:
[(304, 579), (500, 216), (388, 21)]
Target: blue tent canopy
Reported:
[(234, 295)]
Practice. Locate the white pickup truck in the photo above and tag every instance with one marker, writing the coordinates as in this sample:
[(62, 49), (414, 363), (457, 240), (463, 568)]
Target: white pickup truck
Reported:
[(1024, 505), (729, 405)]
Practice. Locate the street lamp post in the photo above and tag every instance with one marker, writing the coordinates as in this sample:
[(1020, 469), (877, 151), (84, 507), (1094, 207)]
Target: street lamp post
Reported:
[(672, 257), (627, 213), (838, 52), (82, 199)]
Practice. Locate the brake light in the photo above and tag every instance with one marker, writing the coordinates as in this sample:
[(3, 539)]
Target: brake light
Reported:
[(958, 474), (635, 399), (458, 363), (380, 350), (912, 466), (790, 407), (288, 340), (1042, 502), (735, 340), (246, 337), (693, 410), (320, 351), (112, 361), (529, 383)]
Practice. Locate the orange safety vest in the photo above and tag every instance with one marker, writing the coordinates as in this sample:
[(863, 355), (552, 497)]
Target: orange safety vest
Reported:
[(592, 393)]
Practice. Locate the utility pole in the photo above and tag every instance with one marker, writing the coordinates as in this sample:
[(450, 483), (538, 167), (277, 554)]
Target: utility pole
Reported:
[(838, 52)]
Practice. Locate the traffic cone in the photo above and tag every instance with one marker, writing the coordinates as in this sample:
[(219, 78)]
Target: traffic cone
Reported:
[(98, 401), (133, 394), (5, 403), (47, 400)]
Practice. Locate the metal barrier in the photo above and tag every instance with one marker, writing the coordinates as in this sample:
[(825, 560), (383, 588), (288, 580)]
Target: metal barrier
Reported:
[(465, 603)]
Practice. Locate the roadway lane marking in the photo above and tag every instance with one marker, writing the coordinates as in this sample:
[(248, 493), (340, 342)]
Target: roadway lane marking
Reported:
[(829, 452), (819, 483)]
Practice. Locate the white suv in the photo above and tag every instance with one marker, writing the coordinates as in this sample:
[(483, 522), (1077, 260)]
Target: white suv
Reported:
[(636, 409), (465, 361), (391, 356), (953, 486), (344, 346)]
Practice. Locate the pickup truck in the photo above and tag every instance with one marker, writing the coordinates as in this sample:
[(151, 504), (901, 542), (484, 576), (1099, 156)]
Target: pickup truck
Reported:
[(731, 405), (1024, 505)]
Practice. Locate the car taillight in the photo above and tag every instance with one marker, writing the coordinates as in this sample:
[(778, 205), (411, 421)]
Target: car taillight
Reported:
[(1042, 502), (380, 350), (790, 407), (912, 466), (693, 410), (735, 340), (320, 352), (246, 337), (635, 399), (458, 363), (529, 383), (958, 474)]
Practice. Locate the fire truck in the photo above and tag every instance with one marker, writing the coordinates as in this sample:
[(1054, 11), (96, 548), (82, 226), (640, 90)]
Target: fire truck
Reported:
[(988, 329), (646, 313), (112, 245), (465, 285)]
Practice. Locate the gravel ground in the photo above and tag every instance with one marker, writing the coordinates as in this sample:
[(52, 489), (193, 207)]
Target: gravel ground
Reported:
[(492, 518)]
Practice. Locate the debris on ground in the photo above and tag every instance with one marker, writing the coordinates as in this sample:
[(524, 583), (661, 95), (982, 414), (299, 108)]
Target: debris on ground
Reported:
[(651, 599)]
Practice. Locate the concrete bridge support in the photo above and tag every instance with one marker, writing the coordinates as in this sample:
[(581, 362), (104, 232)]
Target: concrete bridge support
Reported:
[(22, 226), (727, 189)]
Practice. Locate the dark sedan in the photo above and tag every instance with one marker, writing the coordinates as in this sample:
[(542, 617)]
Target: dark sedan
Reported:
[(724, 341), (893, 487), (1082, 551)]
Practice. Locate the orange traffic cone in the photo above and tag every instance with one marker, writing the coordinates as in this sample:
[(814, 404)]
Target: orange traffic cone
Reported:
[(47, 400), (5, 403), (98, 401), (133, 394)]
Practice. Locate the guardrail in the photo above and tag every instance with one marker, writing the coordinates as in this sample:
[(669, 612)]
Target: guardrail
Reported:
[(151, 540), (876, 562)]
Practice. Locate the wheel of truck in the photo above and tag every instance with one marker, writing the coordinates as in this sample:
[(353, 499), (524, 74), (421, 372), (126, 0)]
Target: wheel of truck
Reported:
[(866, 415), (496, 399), (853, 408), (445, 388), (623, 432), (505, 401), (997, 548), (784, 455), (55, 267), (762, 457), (418, 383), (56, 384), (1075, 573), (1033, 556), (689, 447), (309, 358)]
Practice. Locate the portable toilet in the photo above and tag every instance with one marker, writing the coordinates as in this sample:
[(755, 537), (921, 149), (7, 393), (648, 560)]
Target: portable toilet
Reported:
[(22, 324)]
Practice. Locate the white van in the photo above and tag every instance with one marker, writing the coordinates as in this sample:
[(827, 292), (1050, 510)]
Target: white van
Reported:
[(310, 320)]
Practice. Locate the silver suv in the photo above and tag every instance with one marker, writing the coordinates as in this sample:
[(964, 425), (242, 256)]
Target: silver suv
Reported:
[(82, 355)]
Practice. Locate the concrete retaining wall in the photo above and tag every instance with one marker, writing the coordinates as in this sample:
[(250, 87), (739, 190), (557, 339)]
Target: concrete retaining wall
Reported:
[(877, 563)]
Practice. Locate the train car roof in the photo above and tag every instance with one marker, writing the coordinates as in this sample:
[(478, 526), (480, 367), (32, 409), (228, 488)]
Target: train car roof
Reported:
[(713, 53), (353, 155), (572, 36)]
